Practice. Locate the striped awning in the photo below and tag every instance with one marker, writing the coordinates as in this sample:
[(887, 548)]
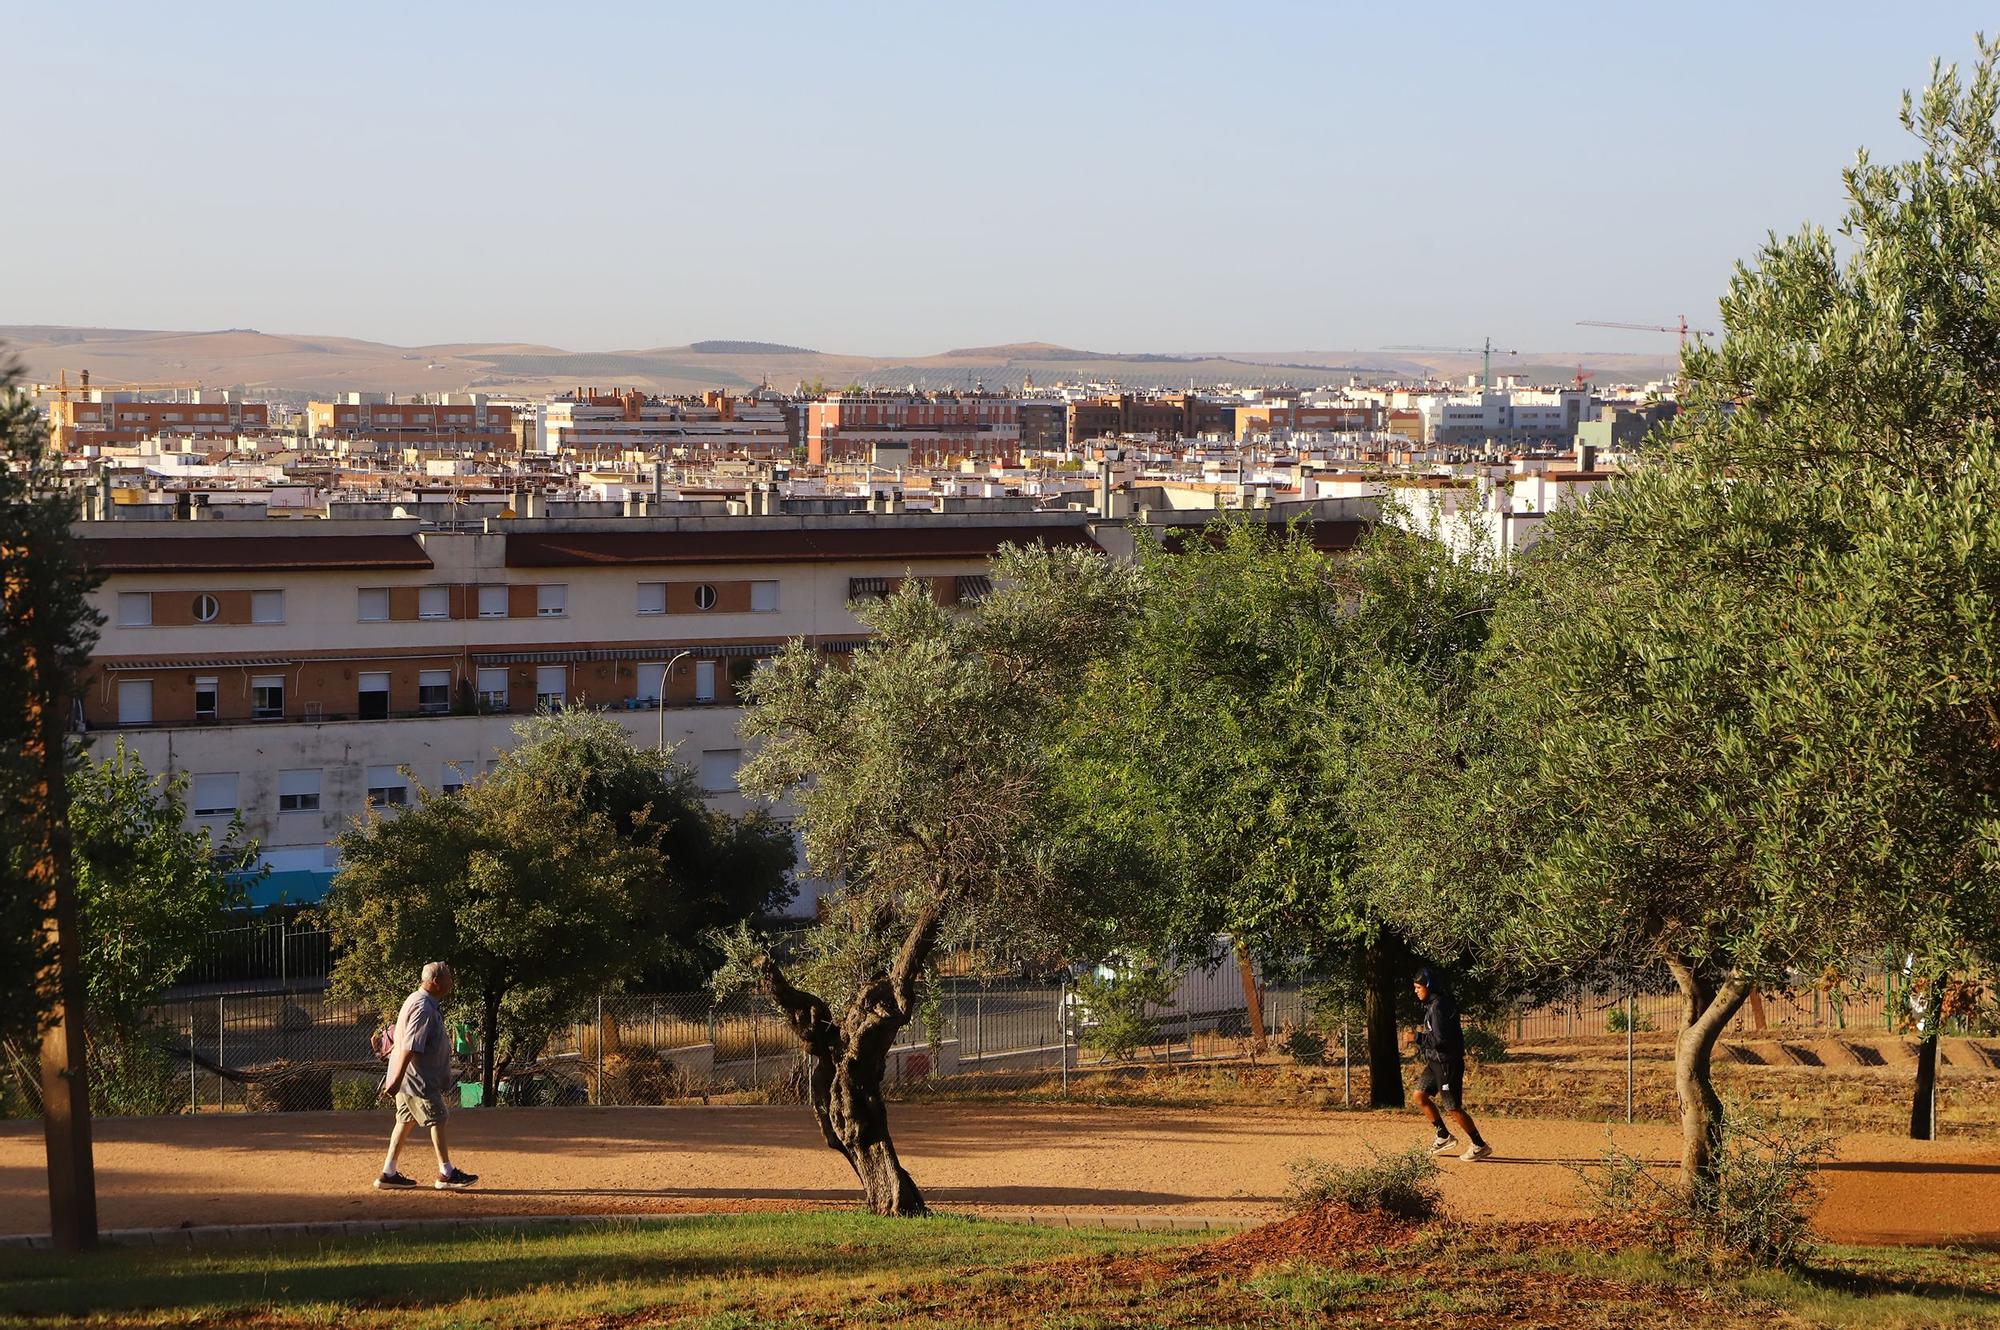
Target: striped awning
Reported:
[(974, 587), (867, 586), (201, 663), (643, 655), (845, 645)]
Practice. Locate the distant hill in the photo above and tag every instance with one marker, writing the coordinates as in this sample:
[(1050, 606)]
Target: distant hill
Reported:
[(748, 349), (246, 359)]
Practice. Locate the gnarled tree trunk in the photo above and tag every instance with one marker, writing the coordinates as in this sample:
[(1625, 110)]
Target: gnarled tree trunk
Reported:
[(1709, 1006), (1388, 970), (849, 1058)]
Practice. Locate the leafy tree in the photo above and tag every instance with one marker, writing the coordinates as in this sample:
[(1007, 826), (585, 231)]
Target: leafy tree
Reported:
[(922, 774), (149, 889), (1741, 715), (576, 864), (47, 630), (1209, 762)]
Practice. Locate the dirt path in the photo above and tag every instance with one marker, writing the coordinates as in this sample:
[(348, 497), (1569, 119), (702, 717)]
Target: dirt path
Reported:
[(170, 1172)]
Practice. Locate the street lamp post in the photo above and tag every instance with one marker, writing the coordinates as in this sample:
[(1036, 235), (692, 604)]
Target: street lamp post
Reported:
[(666, 672)]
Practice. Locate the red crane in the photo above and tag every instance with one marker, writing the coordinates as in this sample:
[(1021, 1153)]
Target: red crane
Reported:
[(1682, 328)]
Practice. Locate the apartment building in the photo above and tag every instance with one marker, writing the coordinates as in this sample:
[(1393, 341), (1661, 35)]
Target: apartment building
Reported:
[(1263, 419), (595, 426), (99, 418), (1172, 416), (301, 676), (916, 427), (442, 422)]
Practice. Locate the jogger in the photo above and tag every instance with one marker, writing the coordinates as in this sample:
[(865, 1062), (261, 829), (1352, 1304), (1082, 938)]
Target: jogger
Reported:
[(1441, 1088)]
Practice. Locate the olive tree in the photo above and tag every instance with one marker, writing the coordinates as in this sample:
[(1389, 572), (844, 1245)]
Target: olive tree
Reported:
[(1209, 759), (921, 771)]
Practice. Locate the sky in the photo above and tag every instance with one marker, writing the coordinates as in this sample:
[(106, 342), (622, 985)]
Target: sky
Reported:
[(891, 179)]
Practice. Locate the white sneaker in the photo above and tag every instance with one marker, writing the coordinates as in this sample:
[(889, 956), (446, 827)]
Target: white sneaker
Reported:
[(1444, 1144), (1477, 1152)]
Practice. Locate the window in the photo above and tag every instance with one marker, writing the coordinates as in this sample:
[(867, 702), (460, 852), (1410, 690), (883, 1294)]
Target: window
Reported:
[(764, 597), (652, 597), (652, 682), (718, 769), (204, 698), (434, 602), (704, 681), (213, 794), (704, 597), (493, 602), (298, 791), (267, 607), (267, 697), (387, 788), (135, 609), (374, 604), (206, 607), (374, 701), (493, 689), (433, 692), (551, 682), (551, 602), (135, 701), (451, 778)]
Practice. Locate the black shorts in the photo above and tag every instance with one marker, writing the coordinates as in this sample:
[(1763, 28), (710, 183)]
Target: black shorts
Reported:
[(1445, 1082)]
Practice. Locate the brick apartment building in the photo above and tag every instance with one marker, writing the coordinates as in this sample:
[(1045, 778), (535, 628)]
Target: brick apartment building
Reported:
[(446, 422), (917, 427), (101, 418), (1181, 415)]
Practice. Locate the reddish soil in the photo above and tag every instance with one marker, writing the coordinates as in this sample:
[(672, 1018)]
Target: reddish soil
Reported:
[(989, 1159)]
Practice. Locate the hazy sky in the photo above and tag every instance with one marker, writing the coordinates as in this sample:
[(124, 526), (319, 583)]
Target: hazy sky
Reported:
[(902, 178)]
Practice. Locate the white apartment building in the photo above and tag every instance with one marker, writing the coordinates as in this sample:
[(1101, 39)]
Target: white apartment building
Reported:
[(300, 675)]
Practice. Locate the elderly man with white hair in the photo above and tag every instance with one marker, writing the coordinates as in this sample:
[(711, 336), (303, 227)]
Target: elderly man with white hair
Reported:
[(420, 1076)]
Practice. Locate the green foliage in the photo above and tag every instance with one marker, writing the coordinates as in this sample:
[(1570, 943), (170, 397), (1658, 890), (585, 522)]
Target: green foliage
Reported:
[(920, 767), (1483, 1043), (575, 865), (1617, 1022), (1403, 1184), (1755, 1208), (1207, 763), (148, 889), (1303, 1044), (1116, 1012), (47, 630)]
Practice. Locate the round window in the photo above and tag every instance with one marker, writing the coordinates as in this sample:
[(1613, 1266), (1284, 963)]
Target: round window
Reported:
[(205, 609), (704, 597)]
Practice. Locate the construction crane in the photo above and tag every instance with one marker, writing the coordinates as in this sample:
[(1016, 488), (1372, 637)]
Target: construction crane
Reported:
[(62, 387), (1682, 328), (1485, 354)]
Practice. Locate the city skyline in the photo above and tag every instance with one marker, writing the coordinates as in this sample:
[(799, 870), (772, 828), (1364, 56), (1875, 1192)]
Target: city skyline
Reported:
[(918, 180)]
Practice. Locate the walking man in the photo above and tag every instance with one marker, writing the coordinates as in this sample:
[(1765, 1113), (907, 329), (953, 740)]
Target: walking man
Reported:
[(420, 1076), (1441, 1043)]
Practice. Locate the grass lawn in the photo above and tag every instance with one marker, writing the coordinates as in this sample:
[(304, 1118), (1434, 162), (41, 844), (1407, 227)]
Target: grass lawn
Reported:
[(844, 1270)]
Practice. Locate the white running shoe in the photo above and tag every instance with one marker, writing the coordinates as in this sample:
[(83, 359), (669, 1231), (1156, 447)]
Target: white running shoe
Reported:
[(1477, 1152), (1444, 1144)]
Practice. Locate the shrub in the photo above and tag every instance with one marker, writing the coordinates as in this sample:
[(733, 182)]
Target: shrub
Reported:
[(290, 1088), (1484, 1045), (1115, 1010), (354, 1096), (1403, 1184), (1303, 1045), (1614, 1023), (1756, 1211)]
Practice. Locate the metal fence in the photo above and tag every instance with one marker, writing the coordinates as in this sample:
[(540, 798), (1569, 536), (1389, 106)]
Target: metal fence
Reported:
[(299, 1048)]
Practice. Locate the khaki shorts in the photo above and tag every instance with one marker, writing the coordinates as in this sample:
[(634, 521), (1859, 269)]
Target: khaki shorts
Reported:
[(424, 1110)]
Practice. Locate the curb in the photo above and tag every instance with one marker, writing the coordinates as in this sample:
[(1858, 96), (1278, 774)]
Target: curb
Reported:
[(204, 1234)]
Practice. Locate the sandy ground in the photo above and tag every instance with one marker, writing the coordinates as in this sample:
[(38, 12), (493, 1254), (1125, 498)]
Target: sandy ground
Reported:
[(248, 1169)]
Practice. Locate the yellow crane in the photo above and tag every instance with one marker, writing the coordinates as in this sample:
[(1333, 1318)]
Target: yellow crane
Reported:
[(62, 387)]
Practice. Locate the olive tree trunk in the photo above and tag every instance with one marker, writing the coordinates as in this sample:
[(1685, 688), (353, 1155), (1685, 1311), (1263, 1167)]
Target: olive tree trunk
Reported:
[(849, 1058), (1923, 1098), (1709, 1006), (1387, 965)]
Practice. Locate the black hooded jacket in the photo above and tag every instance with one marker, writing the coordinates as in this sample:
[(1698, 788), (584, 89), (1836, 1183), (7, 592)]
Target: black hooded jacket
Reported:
[(1440, 1038)]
